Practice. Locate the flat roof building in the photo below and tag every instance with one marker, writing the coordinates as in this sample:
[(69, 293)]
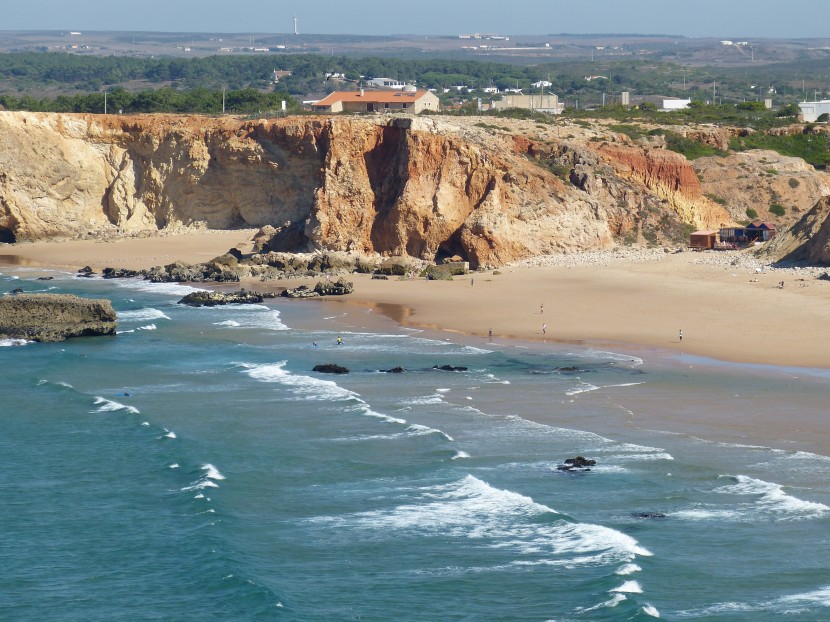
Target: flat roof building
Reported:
[(540, 103), (811, 111)]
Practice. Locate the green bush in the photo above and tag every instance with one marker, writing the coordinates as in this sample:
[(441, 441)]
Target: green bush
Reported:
[(813, 148), (794, 183), (823, 117), (777, 209), (751, 213)]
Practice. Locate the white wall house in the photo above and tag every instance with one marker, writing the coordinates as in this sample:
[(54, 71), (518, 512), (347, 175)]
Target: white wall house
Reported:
[(386, 83), (810, 111), (676, 104)]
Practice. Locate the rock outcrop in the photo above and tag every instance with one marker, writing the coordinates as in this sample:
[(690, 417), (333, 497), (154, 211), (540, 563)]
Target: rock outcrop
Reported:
[(420, 187), (54, 317), (806, 242), (217, 299)]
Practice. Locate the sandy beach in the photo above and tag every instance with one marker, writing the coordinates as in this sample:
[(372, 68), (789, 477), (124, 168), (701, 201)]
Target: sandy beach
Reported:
[(631, 300)]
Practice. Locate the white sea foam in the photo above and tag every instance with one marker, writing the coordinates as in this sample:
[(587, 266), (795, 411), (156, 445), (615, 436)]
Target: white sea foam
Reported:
[(426, 400), (471, 508), (212, 472), (628, 569), (248, 316), (629, 587), (306, 387), (769, 502), (124, 332), (142, 315), (168, 434), (175, 465), (148, 327), (651, 610), (364, 409), (145, 424), (460, 455), (61, 383), (171, 289), (582, 387), (7, 343), (615, 600), (422, 430), (104, 405), (492, 379)]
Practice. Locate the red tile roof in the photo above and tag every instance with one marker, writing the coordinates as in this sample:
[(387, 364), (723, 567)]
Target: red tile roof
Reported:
[(377, 97)]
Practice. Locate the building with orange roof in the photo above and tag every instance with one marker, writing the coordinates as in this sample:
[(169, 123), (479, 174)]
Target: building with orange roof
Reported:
[(414, 101)]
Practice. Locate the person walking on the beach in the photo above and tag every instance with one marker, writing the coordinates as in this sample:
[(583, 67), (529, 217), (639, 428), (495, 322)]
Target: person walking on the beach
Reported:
[(544, 328), (541, 309), (490, 335), (680, 334)]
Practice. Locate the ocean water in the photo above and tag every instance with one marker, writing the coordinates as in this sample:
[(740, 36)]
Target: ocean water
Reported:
[(194, 468)]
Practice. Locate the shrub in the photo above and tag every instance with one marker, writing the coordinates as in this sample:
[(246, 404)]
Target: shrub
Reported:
[(823, 117), (716, 199), (794, 183), (751, 213), (777, 209)]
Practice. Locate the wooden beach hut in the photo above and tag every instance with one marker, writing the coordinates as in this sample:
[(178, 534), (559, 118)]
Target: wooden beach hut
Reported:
[(703, 240)]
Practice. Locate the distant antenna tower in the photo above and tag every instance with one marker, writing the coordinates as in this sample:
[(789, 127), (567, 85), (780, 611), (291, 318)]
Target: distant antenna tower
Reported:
[(296, 32)]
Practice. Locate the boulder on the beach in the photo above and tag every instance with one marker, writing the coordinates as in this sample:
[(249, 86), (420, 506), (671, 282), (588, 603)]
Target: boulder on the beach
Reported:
[(303, 291), (214, 299), (118, 273), (339, 288), (330, 368), (449, 368), (577, 464), (86, 272), (54, 317)]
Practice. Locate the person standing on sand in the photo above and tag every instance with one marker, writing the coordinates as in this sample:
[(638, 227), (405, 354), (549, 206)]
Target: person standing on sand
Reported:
[(490, 335), (544, 328), (680, 334), (541, 309)]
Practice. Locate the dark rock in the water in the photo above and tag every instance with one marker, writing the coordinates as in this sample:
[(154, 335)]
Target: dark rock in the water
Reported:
[(86, 271), (570, 370), (330, 368), (394, 370), (118, 273), (54, 317), (577, 464), (45, 278), (17, 290), (449, 368), (648, 515), (338, 288), (213, 299), (303, 291)]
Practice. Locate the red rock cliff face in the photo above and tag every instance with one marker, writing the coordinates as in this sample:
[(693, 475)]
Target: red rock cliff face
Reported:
[(422, 187)]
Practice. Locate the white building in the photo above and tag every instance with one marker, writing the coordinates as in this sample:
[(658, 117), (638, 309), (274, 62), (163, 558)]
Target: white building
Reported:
[(810, 111), (542, 84), (676, 104), (386, 83), (540, 103)]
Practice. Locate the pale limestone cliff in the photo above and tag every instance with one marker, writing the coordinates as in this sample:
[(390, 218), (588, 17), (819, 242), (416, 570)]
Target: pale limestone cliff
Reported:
[(416, 186)]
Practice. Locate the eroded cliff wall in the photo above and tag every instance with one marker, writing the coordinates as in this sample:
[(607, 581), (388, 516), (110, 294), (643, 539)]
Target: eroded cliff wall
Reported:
[(416, 186)]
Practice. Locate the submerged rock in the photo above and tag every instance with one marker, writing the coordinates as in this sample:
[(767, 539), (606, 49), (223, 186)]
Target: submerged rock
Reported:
[(577, 464), (214, 299), (330, 368), (54, 317), (394, 370), (449, 368)]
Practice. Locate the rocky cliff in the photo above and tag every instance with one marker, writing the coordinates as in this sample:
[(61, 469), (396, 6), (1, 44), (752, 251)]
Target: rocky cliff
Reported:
[(54, 317), (424, 187), (806, 242)]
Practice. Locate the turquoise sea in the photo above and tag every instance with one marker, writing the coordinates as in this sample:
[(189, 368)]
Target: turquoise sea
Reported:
[(194, 468)]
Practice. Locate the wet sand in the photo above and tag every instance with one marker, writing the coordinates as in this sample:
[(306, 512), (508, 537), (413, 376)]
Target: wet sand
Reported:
[(725, 312)]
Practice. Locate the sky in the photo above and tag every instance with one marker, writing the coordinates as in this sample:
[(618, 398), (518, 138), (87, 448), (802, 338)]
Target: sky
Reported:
[(692, 18)]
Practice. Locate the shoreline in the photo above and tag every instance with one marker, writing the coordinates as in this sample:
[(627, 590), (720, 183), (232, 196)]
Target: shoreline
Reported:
[(729, 307)]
